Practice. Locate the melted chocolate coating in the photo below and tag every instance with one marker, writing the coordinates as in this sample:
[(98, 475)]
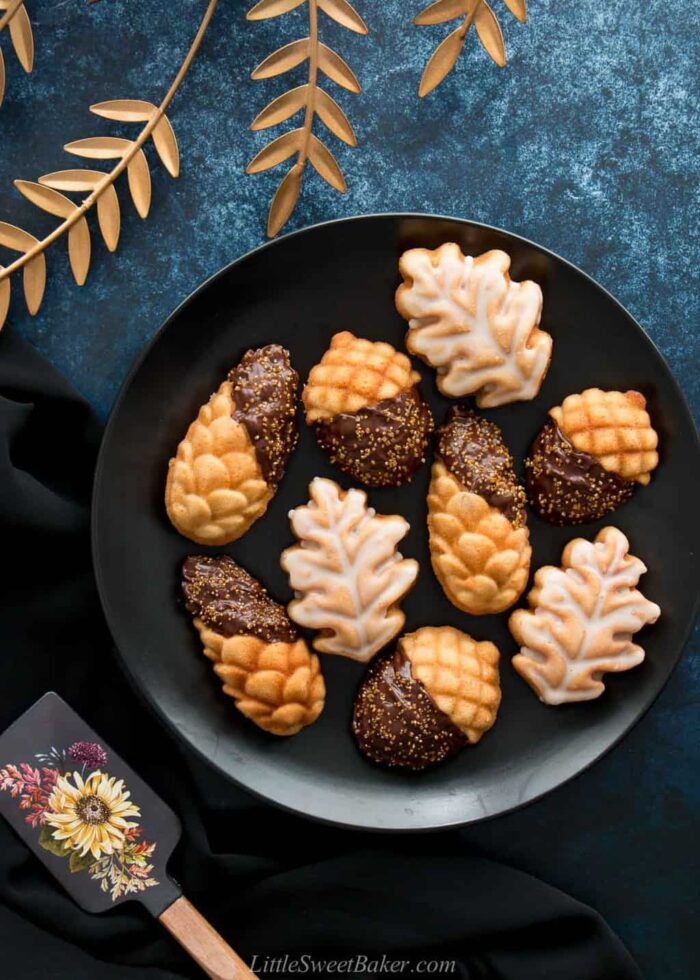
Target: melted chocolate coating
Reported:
[(230, 601), (264, 390), (396, 722), (473, 450), (381, 445), (566, 486)]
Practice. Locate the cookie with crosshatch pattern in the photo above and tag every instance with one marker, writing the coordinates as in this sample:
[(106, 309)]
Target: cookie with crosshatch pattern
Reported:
[(363, 404), (419, 704), (590, 455)]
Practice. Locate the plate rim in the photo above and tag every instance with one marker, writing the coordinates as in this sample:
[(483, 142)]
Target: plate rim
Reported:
[(150, 700)]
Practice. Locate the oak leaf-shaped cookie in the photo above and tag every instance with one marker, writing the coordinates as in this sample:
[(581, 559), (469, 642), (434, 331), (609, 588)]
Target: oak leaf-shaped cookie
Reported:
[(581, 619), (346, 571), (468, 319)]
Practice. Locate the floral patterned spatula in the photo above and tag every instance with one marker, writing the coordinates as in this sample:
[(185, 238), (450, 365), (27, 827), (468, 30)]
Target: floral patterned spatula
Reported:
[(101, 832)]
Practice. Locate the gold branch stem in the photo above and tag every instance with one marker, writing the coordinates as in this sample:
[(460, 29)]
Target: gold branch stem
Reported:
[(124, 161), (10, 13), (302, 144), (313, 77)]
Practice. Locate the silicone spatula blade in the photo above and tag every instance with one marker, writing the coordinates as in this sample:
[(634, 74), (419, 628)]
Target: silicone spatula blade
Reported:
[(98, 828)]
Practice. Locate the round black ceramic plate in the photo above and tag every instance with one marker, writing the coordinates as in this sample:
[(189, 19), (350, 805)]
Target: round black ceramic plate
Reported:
[(298, 292)]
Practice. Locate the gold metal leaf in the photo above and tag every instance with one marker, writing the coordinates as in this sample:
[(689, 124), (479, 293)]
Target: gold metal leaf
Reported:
[(139, 178), (34, 282), (442, 61), (315, 101), (489, 31), (79, 250), (22, 38), (2, 77), (73, 180), (124, 110), (109, 217), (344, 13), (332, 65), (334, 118), (518, 8), (325, 164), (272, 8), (34, 274), (276, 151), (165, 143), (16, 238), (5, 290), (46, 198), (99, 147), (284, 201), (441, 11), (281, 108), (283, 59)]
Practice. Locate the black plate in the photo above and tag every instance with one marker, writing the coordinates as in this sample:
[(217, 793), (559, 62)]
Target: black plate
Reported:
[(298, 292)]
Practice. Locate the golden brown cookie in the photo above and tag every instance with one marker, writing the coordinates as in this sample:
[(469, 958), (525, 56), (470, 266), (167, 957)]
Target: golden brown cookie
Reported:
[(470, 321), (479, 542), (592, 452), (363, 404), (420, 704), (347, 572), (227, 467), (257, 653), (581, 619)]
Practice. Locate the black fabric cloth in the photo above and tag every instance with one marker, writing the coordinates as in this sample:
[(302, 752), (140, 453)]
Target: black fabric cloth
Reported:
[(276, 886)]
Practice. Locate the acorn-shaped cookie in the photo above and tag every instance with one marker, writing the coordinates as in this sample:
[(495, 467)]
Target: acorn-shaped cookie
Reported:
[(479, 544), (363, 404), (438, 691), (590, 455), (227, 467), (265, 666)]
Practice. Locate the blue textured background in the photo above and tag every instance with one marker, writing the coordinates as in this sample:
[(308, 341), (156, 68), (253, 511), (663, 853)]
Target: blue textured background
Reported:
[(586, 143)]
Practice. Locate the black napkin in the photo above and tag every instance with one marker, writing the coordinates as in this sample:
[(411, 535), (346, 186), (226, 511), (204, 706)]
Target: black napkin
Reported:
[(280, 889)]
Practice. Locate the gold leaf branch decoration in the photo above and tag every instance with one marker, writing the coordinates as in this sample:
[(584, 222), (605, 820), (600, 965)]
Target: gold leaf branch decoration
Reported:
[(16, 19), (310, 97), (49, 194), (476, 12)]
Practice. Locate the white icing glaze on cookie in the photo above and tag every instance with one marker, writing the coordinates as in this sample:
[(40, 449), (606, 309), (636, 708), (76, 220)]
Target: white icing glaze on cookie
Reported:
[(346, 571), (468, 319), (582, 619)]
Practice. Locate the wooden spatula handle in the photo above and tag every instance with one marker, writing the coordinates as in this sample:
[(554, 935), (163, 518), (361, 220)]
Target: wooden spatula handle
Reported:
[(204, 944)]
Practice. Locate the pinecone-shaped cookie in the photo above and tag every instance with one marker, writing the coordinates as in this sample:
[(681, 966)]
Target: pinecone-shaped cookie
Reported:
[(470, 321), (257, 654), (227, 467), (420, 704), (590, 455), (363, 404), (479, 544)]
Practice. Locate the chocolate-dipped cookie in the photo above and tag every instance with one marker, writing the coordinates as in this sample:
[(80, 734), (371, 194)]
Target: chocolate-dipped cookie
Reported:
[(364, 406), (227, 468), (256, 651), (590, 455), (418, 705), (479, 542)]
